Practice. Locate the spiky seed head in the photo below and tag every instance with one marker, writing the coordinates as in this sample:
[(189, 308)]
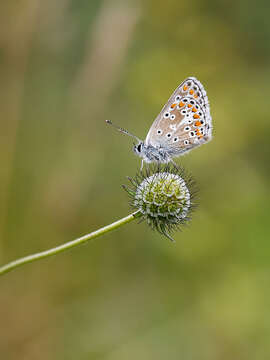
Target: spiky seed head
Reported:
[(163, 196)]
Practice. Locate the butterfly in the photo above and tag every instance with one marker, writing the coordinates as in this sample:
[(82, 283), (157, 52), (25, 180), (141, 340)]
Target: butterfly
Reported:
[(183, 124)]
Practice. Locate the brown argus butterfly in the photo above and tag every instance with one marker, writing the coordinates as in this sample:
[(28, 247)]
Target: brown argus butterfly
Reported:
[(183, 124)]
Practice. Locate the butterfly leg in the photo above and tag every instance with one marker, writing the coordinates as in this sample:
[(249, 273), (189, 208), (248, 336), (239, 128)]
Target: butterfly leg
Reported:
[(141, 166), (174, 163)]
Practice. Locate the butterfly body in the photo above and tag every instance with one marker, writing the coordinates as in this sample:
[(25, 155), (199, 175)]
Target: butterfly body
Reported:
[(183, 124), (150, 153)]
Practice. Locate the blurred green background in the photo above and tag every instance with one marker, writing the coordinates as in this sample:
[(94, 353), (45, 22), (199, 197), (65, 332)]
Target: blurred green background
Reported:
[(65, 67)]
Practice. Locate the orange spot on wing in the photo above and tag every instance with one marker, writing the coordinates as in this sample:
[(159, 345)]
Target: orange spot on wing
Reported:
[(194, 109), (181, 104), (173, 106), (196, 116), (185, 87), (199, 134), (195, 95), (189, 105), (191, 92), (197, 123)]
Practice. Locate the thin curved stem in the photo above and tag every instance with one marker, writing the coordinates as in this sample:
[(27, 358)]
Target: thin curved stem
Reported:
[(58, 249)]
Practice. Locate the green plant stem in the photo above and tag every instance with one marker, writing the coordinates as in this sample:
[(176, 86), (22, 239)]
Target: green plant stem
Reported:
[(58, 249)]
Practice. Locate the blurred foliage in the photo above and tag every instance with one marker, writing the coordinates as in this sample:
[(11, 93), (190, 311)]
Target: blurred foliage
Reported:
[(65, 67)]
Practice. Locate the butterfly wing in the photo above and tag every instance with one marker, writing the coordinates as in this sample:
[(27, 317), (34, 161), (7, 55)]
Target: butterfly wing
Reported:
[(184, 122)]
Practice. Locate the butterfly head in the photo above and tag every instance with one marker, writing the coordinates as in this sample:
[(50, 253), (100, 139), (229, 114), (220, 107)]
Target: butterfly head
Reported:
[(139, 148), (144, 151)]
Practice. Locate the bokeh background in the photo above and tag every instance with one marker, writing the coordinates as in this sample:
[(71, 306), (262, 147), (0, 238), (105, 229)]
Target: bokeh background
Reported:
[(65, 67)]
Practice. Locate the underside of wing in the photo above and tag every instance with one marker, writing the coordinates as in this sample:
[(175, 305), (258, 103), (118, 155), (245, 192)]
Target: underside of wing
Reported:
[(185, 120)]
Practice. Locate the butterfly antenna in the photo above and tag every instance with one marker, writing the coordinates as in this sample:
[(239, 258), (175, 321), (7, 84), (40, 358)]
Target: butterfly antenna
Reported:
[(123, 131)]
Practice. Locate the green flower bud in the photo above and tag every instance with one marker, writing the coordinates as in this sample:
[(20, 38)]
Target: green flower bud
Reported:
[(164, 197)]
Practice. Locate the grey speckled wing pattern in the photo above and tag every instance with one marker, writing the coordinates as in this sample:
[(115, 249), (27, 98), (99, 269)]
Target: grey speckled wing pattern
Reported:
[(184, 122)]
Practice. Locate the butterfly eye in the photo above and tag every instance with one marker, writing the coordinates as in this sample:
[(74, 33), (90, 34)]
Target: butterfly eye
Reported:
[(186, 142), (139, 148), (159, 132), (167, 114), (177, 98), (172, 117), (187, 128), (192, 134)]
